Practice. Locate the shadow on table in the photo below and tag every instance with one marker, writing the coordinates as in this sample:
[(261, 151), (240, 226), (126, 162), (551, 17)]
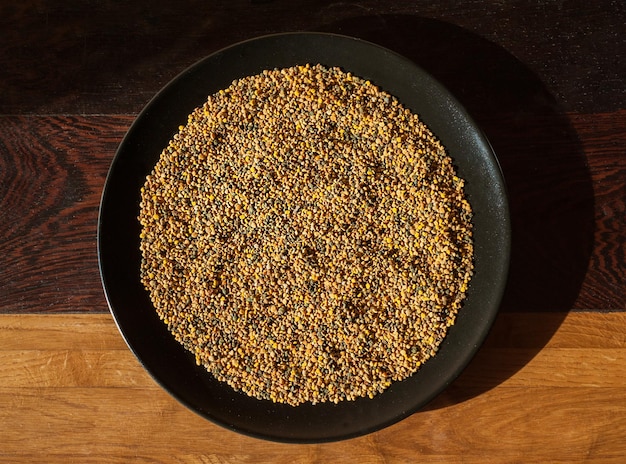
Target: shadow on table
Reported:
[(549, 184)]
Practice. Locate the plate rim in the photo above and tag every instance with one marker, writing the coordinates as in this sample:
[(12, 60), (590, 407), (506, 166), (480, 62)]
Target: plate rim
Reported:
[(490, 315)]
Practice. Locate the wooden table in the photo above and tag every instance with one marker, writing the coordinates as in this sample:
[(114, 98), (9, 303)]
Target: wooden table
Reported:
[(545, 80)]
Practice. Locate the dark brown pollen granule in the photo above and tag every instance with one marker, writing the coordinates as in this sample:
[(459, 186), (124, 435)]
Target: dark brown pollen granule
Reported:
[(306, 237)]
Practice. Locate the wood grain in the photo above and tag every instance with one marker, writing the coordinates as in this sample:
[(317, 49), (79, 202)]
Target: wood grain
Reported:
[(52, 170), (567, 403), (97, 57), (600, 138), (567, 203), (559, 141)]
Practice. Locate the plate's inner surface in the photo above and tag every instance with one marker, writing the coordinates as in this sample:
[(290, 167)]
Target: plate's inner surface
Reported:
[(173, 367)]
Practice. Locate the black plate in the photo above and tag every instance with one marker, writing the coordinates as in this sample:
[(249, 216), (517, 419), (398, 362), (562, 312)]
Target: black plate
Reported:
[(173, 367)]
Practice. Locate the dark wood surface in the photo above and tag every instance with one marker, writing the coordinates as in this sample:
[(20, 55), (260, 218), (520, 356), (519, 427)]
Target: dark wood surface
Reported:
[(546, 80)]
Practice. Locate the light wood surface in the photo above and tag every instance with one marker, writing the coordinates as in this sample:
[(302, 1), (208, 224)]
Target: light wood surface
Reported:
[(544, 388)]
